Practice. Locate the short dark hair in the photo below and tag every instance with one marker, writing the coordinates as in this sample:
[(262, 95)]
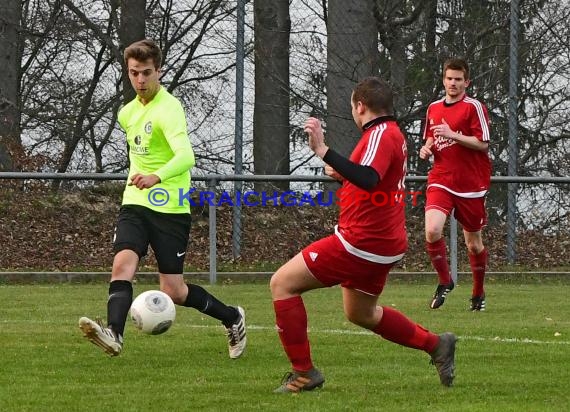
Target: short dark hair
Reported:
[(456, 64), (376, 94), (143, 50)]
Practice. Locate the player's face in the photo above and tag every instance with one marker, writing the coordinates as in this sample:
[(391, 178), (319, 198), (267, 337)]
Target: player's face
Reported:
[(454, 83), (144, 78)]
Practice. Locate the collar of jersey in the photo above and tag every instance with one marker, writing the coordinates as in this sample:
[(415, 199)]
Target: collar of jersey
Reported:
[(378, 120), (451, 104)]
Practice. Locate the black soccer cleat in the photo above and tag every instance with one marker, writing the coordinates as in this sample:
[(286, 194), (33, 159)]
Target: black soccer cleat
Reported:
[(440, 294), (295, 382), (477, 304), (443, 358)]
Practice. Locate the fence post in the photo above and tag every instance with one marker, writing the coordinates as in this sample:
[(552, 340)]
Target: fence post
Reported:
[(238, 184), (212, 183), (453, 248), (513, 129)]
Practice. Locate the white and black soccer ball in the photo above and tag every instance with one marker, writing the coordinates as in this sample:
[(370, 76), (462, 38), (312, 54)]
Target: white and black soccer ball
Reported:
[(153, 312)]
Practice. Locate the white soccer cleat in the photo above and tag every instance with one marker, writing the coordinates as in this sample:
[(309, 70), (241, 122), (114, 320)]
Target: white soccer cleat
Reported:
[(101, 336), (237, 339)]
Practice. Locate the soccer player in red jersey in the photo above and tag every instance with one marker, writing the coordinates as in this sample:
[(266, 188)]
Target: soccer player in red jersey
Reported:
[(456, 134), (369, 239)]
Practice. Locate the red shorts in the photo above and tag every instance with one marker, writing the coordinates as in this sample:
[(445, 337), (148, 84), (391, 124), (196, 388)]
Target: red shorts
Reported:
[(470, 212), (330, 263)]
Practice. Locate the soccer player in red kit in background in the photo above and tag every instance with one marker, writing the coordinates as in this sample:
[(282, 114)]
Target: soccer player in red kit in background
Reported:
[(457, 135), (368, 240)]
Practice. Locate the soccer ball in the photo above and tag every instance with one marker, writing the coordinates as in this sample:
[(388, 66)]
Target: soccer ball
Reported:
[(153, 312)]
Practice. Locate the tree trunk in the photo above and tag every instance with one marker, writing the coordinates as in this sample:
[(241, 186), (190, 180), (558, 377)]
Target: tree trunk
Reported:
[(131, 29), (10, 107), (352, 54), (271, 111)]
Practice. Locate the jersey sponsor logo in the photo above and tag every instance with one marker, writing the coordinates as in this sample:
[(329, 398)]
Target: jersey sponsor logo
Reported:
[(148, 128), (137, 148), (443, 142)]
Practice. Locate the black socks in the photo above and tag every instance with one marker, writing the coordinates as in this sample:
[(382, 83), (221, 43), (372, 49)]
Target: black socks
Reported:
[(118, 305), (200, 299)]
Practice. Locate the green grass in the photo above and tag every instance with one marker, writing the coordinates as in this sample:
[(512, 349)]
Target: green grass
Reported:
[(514, 357)]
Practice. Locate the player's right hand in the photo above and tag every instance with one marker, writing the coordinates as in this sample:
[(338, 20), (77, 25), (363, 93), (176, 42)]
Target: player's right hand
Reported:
[(425, 152), (144, 181), (314, 130)]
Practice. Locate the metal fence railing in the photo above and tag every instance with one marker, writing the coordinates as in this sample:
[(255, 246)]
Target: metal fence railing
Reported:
[(212, 182)]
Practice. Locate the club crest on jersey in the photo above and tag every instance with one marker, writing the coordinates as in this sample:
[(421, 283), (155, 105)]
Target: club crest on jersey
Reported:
[(313, 256), (148, 128)]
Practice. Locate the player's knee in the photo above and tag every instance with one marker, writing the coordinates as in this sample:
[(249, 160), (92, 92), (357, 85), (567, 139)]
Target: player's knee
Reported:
[(357, 318), (177, 294), (280, 287), (474, 247), (433, 234), (123, 270), (275, 285)]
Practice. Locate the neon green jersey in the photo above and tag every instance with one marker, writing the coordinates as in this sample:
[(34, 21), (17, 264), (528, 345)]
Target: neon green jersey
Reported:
[(158, 144)]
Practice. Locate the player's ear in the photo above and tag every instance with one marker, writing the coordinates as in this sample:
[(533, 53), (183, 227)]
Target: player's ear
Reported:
[(467, 82)]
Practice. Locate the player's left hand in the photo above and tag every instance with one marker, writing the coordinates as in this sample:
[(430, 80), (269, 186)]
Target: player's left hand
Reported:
[(329, 171), (443, 130), (144, 181), (316, 136)]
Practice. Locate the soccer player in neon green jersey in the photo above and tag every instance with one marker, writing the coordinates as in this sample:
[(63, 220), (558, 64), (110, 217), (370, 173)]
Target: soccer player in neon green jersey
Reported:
[(160, 158)]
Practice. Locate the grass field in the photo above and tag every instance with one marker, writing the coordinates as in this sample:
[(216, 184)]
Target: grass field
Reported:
[(514, 357)]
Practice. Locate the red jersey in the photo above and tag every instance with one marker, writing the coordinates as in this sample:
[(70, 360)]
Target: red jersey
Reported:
[(372, 223), (462, 171)]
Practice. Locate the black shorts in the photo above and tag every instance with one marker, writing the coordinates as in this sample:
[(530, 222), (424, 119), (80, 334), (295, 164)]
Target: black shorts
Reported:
[(167, 233)]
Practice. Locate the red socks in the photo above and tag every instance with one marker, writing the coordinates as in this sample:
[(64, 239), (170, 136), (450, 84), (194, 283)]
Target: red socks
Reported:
[(291, 324), (397, 328), (438, 255), (478, 266)]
